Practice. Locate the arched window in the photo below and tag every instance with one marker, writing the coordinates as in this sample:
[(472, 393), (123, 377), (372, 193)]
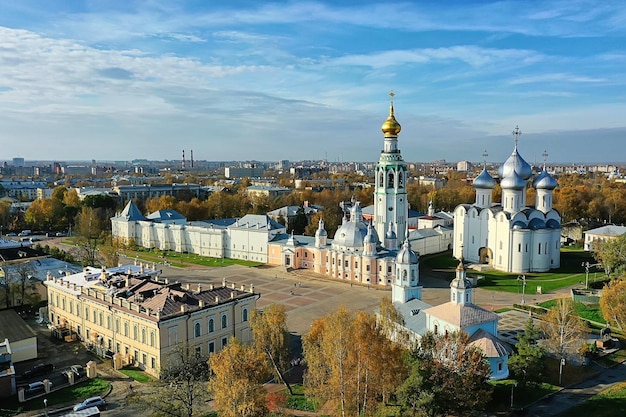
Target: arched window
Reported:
[(404, 275), (126, 328), (244, 314), (224, 321), (401, 179), (152, 337), (382, 179), (211, 326), (196, 330), (135, 332), (143, 335), (390, 184)]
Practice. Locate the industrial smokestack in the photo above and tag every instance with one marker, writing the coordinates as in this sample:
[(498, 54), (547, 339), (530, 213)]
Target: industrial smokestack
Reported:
[(191, 159), (183, 163)]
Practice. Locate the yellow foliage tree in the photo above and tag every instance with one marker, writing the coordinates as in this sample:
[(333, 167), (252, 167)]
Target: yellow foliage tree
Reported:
[(237, 383)]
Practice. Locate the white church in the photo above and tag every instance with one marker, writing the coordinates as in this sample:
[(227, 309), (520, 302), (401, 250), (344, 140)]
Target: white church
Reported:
[(511, 236)]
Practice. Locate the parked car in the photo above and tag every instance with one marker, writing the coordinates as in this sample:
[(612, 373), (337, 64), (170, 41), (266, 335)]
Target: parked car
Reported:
[(35, 387), (11, 234), (38, 370), (77, 370), (90, 402)]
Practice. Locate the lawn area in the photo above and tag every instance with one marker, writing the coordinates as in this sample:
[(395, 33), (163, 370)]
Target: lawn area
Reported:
[(609, 403), (298, 400), (586, 311), (137, 374), (68, 396), (185, 259), (440, 261), (522, 396)]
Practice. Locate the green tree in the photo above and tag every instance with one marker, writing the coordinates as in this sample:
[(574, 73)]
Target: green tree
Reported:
[(299, 223), (527, 363), (448, 377), (271, 337), (612, 255)]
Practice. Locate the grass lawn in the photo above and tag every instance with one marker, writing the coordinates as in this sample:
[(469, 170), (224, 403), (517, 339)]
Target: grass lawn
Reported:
[(614, 358), (522, 396), (609, 403), (586, 311), (137, 374), (68, 396), (298, 400), (185, 259)]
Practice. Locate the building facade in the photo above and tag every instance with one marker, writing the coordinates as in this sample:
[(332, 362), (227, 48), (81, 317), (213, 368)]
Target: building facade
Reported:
[(602, 234), (510, 236), (139, 318)]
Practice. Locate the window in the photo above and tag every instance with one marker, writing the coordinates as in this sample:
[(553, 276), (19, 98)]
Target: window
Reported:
[(100, 318), (539, 249), (143, 335), (211, 325), (153, 362), (367, 268), (152, 337), (135, 332), (196, 329), (63, 303), (117, 347), (346, 264), (224, 342), (71, 307), (94, 315), (86, 313), (244, 314), (198, 351), (519, 247), (117, 325), (108, 322), (136, 357), (211, 347), (224, 321)]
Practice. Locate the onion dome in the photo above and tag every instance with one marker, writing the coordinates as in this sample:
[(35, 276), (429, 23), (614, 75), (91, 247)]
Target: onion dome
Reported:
[(320, 229), (406, 255), (370, 237), (460, 281), (545, 181), (391, 127), (515, 163), (513, 181), (518, 225), (484, 181), (553, 224), (536, 224)]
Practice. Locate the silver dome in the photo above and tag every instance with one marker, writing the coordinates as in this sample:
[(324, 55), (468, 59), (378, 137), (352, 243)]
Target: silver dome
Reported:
[(406, 255), (545, 181), (513, 181), (515, 163), (484, 181)]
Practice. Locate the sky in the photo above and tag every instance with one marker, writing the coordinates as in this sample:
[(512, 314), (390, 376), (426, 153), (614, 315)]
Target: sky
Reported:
[(274, 80)]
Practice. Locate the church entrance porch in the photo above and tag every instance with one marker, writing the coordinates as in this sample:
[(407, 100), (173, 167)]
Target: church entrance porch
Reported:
[(485, 255)]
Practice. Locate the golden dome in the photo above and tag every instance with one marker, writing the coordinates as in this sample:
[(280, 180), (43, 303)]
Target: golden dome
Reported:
[(391, 127)]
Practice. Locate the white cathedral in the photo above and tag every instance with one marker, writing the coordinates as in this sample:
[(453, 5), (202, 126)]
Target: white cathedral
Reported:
[(510, 236)]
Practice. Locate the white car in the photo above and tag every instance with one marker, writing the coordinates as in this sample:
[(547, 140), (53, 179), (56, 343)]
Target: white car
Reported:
[(90, 402)]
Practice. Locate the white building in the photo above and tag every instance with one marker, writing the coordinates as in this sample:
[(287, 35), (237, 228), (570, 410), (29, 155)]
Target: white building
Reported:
[(602, 234), (510, 236)]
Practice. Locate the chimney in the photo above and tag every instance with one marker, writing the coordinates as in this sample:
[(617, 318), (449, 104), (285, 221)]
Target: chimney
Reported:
[(103, 274), (127, 283), (212, 287), (74, 287), (217, 299), (167, 281), (67, 273), (141, 268), (192, 159), (187, 286), (243, 287), (199, 288), (48, 276), (201, 303), (232, 295), (252, 288), (182, 308), (223, 281), (232, 285), (182, 165)]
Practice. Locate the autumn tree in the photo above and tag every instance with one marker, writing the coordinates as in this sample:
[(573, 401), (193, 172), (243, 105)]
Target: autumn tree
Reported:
[(237, 382), (182, 386), (527, 363), (44, 213), (612, 255), (90, 226), (164, 202), (351, 364), (563, 329), (449, 376), (613, 303), (271, 337)]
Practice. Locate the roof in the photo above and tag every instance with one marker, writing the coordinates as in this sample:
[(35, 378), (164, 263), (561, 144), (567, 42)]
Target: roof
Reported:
[(131, 212), (257, 221), (13, 327), (608, 230), (462, 315), (491, 346), (414, 316), (166, 215), (290, 211)]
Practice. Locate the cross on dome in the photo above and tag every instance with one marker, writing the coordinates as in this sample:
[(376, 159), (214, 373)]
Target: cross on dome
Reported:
[(545, 157), (516, 134), (485, 155)]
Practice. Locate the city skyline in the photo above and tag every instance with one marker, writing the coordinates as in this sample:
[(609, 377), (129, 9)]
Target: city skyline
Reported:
[(310, 80)]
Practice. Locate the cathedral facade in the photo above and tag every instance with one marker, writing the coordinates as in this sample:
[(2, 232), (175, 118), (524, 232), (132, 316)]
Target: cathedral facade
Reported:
[(511, 236)]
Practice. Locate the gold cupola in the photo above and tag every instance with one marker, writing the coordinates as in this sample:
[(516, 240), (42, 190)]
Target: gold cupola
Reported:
[(391, 127)]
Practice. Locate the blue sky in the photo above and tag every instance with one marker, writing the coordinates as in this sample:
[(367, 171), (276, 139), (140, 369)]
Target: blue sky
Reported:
[(242, 80)]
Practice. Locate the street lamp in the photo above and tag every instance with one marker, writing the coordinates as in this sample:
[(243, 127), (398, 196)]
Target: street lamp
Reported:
[(523, 279), (561, 365), (45, 404), (587, 265)]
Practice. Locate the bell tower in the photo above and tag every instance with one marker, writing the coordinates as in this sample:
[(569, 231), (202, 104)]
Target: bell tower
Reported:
[(390, 196)]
